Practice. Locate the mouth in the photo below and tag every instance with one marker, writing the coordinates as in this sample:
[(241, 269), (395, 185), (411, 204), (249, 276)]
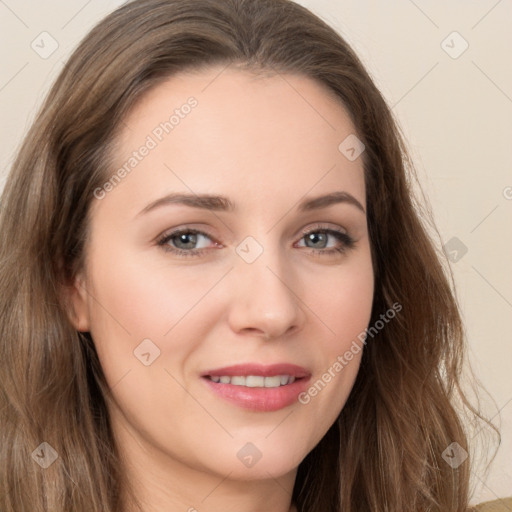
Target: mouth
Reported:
[(253, 381), (258, 387)]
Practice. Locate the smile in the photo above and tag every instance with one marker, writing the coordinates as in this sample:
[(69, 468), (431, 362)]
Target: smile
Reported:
[(254, 381), (258, 387)]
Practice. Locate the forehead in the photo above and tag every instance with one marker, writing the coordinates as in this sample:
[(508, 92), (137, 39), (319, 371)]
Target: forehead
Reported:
[(233, 89), (223, 130)]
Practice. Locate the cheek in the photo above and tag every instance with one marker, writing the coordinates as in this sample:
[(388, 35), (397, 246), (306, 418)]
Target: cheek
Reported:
[(131, 302), (146, 299), (343, 304), (343, 300)]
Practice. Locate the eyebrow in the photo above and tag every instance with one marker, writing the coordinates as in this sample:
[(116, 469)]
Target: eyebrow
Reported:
[(223, 204)]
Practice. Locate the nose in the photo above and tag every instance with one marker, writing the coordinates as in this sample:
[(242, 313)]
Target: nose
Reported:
[(265, 299)]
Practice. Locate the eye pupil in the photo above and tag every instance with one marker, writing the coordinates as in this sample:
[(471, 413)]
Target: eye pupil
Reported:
[(315, 237), (187, 238)]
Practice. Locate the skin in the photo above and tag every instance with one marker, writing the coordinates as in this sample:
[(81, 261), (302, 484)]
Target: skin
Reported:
[(265, 143)]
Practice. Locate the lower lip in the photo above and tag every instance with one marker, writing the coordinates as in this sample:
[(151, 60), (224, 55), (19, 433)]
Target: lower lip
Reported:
[(259, 399)]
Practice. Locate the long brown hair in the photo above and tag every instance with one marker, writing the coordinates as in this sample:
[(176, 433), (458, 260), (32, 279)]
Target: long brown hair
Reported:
[(384, 452)]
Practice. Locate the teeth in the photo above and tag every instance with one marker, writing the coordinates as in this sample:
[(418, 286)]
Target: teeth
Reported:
[(252, 381), (272, 382), (238, 381), (255, 381)]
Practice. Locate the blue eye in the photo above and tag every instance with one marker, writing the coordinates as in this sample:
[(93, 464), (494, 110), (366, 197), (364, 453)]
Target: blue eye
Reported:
[(181, 240), (322, 235), (184, 242)]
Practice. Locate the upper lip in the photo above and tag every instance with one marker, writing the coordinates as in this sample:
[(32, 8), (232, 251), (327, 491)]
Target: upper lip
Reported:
[(258, 369)]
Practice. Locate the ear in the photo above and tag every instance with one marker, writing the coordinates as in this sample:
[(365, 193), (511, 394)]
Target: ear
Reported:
[(76, 300)]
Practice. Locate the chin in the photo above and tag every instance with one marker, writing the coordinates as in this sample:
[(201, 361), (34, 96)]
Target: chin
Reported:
[(262, 455)]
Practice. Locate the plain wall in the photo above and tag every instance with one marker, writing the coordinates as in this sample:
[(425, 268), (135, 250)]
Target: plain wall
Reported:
[(455, 111)]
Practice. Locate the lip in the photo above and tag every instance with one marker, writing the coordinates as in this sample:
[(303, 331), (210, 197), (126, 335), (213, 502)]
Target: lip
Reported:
[(259, 399), (259, 369)]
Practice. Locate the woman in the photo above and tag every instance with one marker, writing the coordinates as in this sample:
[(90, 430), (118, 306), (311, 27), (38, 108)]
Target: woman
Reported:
[(305, 356)]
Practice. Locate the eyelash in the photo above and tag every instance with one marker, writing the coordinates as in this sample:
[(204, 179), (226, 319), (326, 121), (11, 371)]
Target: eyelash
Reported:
[(347, 241)]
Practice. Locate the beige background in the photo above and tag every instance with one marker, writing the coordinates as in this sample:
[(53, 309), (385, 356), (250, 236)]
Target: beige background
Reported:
[(455, 110)]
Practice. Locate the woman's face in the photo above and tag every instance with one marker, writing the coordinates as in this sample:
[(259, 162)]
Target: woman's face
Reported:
[(180, 285)]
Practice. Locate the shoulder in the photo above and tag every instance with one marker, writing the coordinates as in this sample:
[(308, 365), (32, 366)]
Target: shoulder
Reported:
[(500, 505)]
